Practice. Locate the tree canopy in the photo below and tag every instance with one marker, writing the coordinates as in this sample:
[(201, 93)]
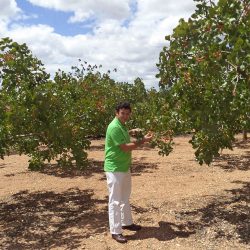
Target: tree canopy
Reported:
[(205, 68), (54, 118), (204, 89)]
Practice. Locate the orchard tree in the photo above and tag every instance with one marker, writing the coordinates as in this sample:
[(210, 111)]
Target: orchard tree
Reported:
[(42, 117), (48, 119), (205, 69), (20, 74)]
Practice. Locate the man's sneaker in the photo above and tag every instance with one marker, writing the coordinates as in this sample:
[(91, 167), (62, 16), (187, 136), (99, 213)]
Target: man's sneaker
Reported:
[(132, 227), (119, 238)]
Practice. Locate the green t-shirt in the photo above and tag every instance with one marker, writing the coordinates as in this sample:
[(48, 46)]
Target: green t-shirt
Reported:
[(116, 160)]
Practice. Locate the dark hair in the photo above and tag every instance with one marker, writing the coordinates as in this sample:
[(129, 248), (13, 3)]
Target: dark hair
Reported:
[(123, 105)]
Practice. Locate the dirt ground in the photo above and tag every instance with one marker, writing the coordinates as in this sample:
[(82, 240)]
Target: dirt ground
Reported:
[(180, 204)]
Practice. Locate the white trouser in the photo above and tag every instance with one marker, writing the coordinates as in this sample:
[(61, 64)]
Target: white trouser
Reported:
[(119, 186)]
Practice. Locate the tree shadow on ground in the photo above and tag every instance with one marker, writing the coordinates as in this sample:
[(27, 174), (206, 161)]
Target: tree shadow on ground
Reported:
[(242, 144), (97, 147), (233, 162), (165, 232), (138, 168), (3, 165), (229, 217), (42, 220), (94, 168)]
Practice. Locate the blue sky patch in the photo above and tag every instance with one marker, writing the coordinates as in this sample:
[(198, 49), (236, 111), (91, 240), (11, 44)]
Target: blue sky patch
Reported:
[(133, 8), (56, 19)]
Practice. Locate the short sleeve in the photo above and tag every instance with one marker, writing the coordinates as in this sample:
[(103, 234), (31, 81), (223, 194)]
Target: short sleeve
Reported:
[(117, 136)]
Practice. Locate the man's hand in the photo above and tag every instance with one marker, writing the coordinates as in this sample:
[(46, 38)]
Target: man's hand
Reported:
[(148, 137), (133, 145)]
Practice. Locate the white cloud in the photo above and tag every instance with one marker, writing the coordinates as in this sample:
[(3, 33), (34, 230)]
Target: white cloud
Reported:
[(132, 49), (100, 9), (8, 10), (165, 8)]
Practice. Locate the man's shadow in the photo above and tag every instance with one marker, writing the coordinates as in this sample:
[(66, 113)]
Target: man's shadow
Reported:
[(166, 231)]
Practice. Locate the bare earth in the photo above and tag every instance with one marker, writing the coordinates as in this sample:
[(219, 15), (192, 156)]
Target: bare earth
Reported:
[(180, 204)]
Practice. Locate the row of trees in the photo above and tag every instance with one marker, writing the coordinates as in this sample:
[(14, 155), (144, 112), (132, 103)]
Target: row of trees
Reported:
[(204, 88), (56, 118)]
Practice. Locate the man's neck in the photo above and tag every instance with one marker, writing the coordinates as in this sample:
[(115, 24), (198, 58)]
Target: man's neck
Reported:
[(123, 123)]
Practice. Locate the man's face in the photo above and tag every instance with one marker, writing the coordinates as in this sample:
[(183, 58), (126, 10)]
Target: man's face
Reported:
[(123, 115)]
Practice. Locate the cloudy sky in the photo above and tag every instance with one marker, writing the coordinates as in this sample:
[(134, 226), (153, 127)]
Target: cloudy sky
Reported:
[(123, 34)]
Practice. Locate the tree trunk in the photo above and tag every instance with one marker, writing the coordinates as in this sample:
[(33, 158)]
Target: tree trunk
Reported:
[(244, 135)]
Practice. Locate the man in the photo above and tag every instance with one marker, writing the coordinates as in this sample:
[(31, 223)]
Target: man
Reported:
[(117, 167)]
